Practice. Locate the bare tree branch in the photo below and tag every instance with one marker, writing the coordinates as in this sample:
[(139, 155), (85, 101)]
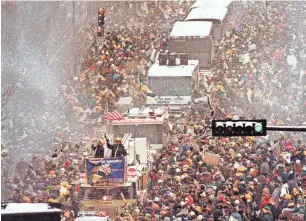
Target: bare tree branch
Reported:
[(6, 95)]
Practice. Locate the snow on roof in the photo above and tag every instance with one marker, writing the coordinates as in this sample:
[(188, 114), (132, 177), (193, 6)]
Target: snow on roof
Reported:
[(207, 14), (173, 71), (191, 29), (211, 3), (28, 208)]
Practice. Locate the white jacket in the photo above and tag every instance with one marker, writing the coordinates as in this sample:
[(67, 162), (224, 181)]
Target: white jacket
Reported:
[(284, 190)]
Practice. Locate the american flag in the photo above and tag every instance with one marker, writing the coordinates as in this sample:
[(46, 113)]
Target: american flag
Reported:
[(114, 115)]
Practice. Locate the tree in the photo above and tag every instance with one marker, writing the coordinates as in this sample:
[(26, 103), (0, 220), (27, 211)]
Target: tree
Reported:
[(6, 95)]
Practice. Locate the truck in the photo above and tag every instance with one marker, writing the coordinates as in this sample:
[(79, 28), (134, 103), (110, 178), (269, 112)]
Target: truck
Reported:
[(216, 14), (111, 195), (142, 133), (210, 3), (146, 122), (29, 212), (194, 38), (173, 85)]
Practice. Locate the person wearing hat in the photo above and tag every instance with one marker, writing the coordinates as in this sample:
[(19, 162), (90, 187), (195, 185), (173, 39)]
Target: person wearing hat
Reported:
[(117, 149), (98, 149), (288, 211), (267, 214)]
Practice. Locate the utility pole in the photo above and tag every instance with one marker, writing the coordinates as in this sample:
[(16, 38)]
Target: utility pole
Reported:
[(73, 37), (100, 28)]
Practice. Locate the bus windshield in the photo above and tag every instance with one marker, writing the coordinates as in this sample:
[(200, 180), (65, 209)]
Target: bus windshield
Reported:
[(171, 86)]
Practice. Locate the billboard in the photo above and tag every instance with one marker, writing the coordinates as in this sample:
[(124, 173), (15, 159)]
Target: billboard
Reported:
[(105, 171)]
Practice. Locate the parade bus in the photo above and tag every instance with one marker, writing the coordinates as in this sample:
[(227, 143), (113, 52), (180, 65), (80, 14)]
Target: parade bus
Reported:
[(215, 14), (109, 185), (173, 85), (194, 38), (211, 3)]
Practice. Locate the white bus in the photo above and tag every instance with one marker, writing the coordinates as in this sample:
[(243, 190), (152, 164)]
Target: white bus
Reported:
[(211, 3), (173, 85), (215, 14), (195, 39)]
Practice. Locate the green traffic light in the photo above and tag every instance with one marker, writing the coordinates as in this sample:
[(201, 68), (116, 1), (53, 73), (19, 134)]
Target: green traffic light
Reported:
[(258, 127)]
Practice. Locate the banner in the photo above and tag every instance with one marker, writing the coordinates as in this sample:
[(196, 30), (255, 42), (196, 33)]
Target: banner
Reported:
[(211, 159), (131, 66), (105, 171)]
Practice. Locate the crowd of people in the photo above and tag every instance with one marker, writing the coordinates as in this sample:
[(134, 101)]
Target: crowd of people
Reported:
[(263, 60), (112, 70), (253, 179), (51, 144)]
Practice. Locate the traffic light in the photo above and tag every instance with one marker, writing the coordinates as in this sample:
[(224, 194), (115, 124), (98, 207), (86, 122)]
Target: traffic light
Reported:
[(231, 128), (100, 29), (101, 14)]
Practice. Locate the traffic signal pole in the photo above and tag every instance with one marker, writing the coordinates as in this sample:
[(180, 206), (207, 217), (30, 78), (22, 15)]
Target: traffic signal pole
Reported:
[(233, 128), (100, 28), (74, 40), (287, 128)]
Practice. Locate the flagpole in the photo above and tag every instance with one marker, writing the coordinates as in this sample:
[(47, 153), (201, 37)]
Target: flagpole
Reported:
[(107, 124), (139, 87), (107, 121), (139, 82)]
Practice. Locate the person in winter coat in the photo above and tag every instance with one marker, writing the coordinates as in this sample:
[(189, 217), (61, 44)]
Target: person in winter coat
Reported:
[(264, 167), (235, 216), (21, 168), (287, 212), (267, 214), (117, 149), (217, 214), (284, 189), (98, 149)]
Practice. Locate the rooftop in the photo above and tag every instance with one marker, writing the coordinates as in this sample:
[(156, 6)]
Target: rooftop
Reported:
[(209, 3), (191, 29), (173, 71), (207, 14)]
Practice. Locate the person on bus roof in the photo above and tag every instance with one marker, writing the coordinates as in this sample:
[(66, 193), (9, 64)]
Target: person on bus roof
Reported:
[(117, 148), (99, 149)]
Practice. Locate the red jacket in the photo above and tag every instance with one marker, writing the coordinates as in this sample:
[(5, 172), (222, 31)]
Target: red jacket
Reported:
[(189, 199), (67, 164)]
